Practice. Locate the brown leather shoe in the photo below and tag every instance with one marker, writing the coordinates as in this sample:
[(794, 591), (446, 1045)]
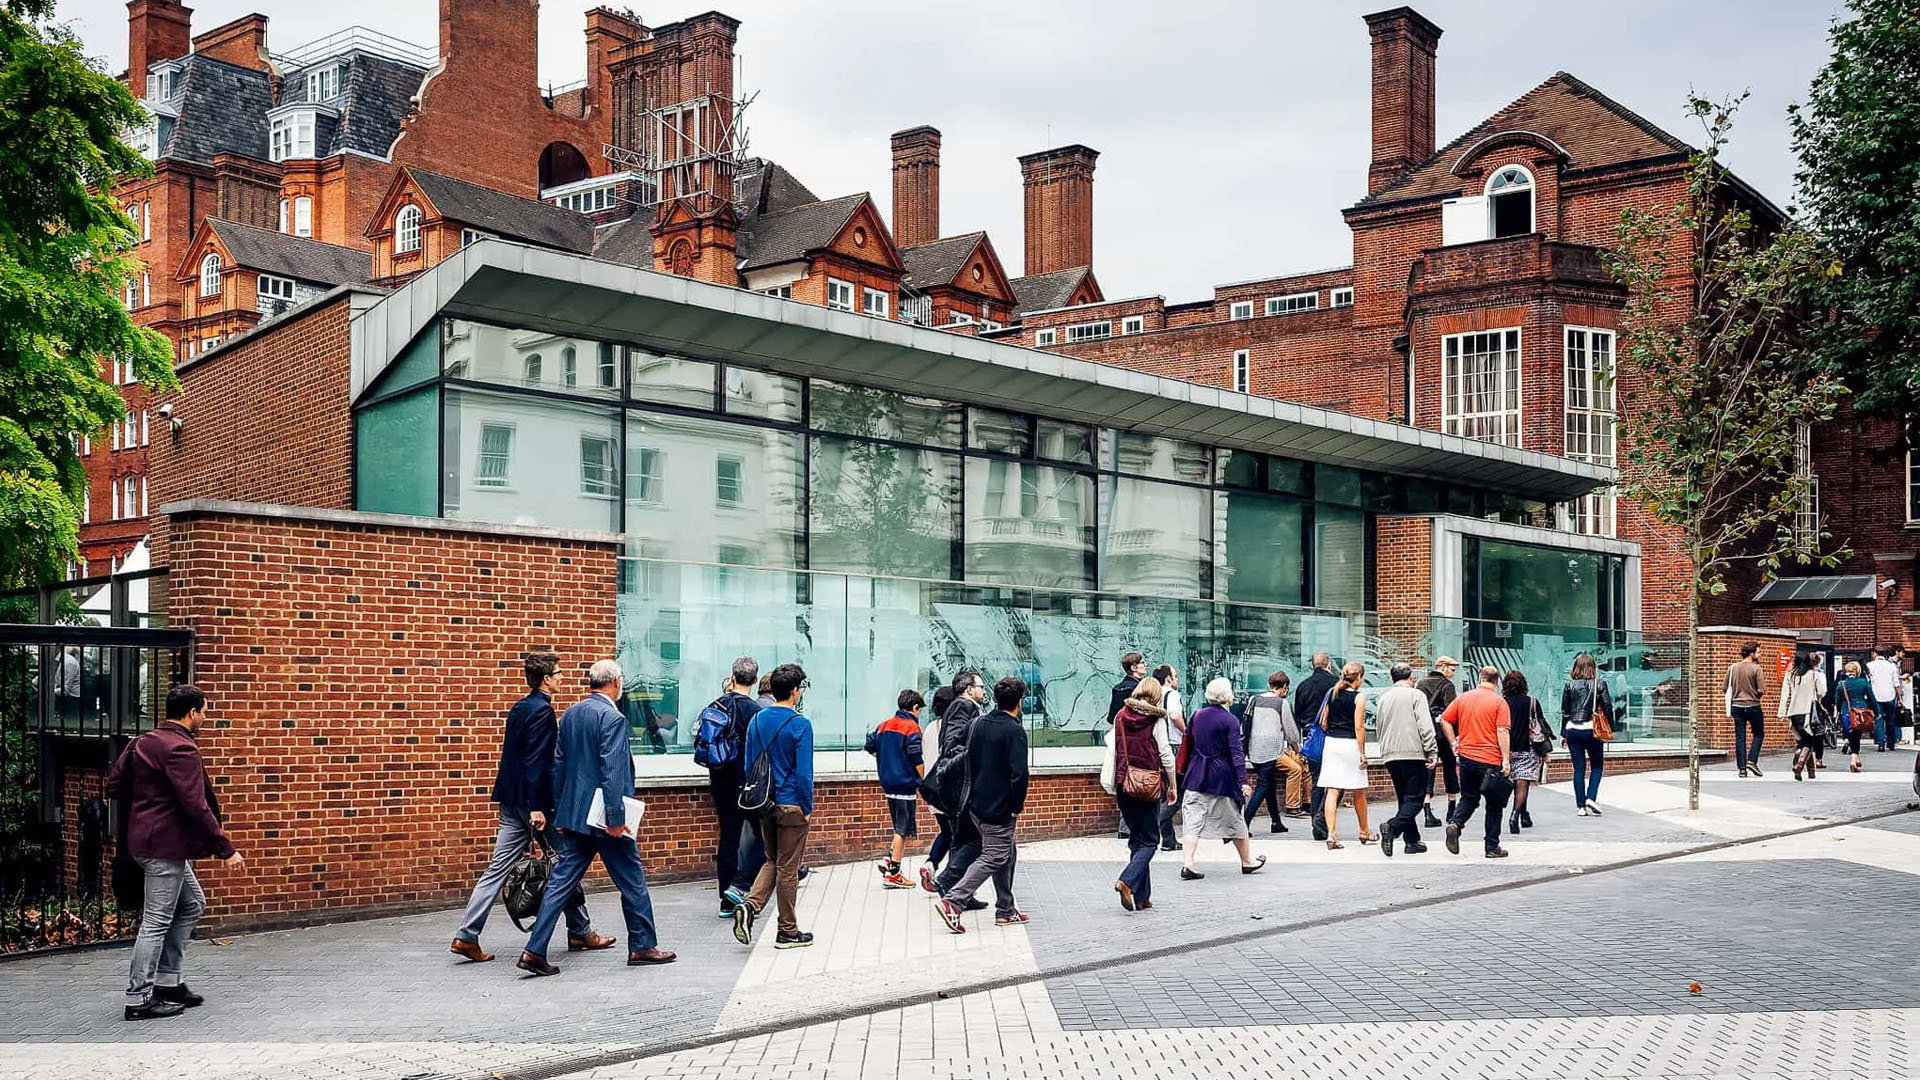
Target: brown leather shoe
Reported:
[(536, 964), (591, 942), (650, 956), (471, 950)]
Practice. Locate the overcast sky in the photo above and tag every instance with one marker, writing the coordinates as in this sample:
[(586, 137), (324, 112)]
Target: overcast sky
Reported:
[(1230, 134)]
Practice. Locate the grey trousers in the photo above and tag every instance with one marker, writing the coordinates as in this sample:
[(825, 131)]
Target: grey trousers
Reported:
[(996, 861), (516, 834), (174, 904)]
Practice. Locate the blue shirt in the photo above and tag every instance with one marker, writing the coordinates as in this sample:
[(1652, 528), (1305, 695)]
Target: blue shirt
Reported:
[(787, 739)]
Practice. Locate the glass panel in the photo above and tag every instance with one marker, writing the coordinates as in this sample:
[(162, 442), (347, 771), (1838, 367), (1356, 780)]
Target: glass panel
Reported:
[(670, 380), (1000, 432), (1262, 559), (530, 358), (1380, 492), (764, 395), (881, 414), (416, 363), (702, 490), (395, 458), (516, 459), (1149, 455), (1029, 524), (1332, 484), (1061, 441), (1549, 587), (1339, 558), (1155, 536), (882, 509)]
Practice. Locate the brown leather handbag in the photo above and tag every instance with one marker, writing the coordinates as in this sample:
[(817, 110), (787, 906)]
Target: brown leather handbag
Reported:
[(1602, 727)]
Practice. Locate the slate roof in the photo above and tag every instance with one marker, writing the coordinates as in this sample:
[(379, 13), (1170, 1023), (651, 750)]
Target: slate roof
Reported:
[(938, 262), (787, 235), (629, 242), (292, 256), (1594, 129), (506, 215), (222, 109), (376, 94), (1043, 292), (763, 187)]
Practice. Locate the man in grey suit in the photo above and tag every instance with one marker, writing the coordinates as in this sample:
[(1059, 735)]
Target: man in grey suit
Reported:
[(594, 754)]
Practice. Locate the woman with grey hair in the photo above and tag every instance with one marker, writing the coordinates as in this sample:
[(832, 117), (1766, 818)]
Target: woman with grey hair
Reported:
[(1216, 768)]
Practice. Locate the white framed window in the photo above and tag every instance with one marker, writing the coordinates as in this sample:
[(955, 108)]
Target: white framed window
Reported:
[(210, 274), (113, 430), (1806, 515), (1045, 337), (840, 294), (729, 480), (303, 216), (609, 365), (130, 497), (209, 342), (1133, 324), (569, 367), (494, 466), (1340, 298), (784, 292), (1092, 331), (1241, 310), (590, 201), (1510, 201), (86, 504), (1590, 421), (143, 496), (163, 85), (959, 318), (1480, 385), (1913, 488), (989, 324), (648, 476), (286, 216), (146, 289), (324, 84), (1242, 369), (406, 229), (130, 295), (597, 477), (876, 303), (143, 427), (470, 237), (113, 501), (274, 294), (146, 220), (291, 135), (1292, 302), (531, 366)]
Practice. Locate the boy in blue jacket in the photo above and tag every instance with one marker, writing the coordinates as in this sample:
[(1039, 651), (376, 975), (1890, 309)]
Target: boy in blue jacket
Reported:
[(895, 745)]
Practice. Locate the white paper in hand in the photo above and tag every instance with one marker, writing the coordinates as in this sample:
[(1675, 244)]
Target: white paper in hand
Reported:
[(597, 813)]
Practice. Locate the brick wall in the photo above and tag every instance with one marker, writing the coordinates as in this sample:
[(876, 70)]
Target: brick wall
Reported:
[(1718, 648)]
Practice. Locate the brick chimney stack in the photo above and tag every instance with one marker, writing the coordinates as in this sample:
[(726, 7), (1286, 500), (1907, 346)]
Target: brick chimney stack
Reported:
[(156, 30), (1059, 208), (610, 36), (916, 186), (1404, 43), (242, 42)]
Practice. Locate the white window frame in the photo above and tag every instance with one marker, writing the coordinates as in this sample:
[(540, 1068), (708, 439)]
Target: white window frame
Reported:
[(1293, 302), (1242, 370), (127, 500), (649, 486), (739, 481), (470, 237), (959, 318), (323, 84), (1591, 421), (1240, 309), (609, 487), (839, 294), (1532, 188), (146, 220), (286, 216), (1493, 407), (146, 289), (1090, 331), (1046, 337), (1342, 297), (1913, 489), (1806, 515), (485, 478), (784, 292), (406, 229), (290, 135), (1133, 324), (272, 287), (877, 303), (143, 427), (113, 501), (210, 274), (303, 216)]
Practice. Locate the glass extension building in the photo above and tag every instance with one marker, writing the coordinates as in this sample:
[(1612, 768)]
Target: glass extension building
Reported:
[(887, 504)]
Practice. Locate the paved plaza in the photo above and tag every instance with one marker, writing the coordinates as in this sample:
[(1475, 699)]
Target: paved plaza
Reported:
[(1792, 907)]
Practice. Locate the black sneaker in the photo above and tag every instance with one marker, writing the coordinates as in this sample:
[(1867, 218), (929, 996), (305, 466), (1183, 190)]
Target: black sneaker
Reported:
[(1320, 834), (803, 873), (179, 995), (155, 1009), (1453, 838), (1497, 853), (792, 939), (976, 904), (743, 923), (1755, 769), (1277, 827)]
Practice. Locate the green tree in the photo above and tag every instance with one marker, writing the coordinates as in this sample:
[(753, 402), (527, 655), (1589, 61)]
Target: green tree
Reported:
[(1859, 185), (1714, 394), (62, 271)]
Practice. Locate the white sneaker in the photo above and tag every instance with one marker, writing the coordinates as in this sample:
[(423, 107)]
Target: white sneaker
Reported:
[(1582, 812), (1593, 807)]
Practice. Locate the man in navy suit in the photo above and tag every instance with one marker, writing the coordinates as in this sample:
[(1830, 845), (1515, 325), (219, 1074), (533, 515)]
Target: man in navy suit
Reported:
[(524, 789), (594, 754)]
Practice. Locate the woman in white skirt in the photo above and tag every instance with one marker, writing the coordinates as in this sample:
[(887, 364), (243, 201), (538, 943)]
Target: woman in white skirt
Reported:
[(1343, 760), (1215, 764)]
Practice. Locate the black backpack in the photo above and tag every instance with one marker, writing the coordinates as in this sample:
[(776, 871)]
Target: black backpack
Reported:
[(756, 791)]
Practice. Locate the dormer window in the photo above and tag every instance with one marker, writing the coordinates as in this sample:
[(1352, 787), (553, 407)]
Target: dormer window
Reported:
[(163, 85), (210, 274), (406, 229), (150, 139), (1510, 191), (324, 84), (290, 135)]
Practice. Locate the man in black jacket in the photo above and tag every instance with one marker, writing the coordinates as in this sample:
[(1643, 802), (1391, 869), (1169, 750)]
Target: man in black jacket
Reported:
[(996, 758), (948, 779), (1306, 710), (1440, 691), (524, 789)]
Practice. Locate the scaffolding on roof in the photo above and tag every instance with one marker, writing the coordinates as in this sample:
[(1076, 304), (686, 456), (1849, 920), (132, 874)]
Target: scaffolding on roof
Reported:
[(686, 149)]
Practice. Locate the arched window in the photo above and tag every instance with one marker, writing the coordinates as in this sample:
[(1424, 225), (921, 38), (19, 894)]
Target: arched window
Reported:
[(406, 229), (1510, 193), (533, 369), (210, 274)]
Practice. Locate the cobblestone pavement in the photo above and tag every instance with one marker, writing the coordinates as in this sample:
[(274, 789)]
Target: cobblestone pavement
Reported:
[(1573, 957)]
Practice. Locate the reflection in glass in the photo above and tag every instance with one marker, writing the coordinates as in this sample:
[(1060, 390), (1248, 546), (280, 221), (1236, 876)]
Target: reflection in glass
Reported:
[(1339, 558), (883, 509), (1263, 557), (525, 460), (1138, 454), (1058, 440), (882, 414), (999, 432), (1154, 537), (702, 490), (670, 380), (529, 358), (1029, 524), (763, 395)]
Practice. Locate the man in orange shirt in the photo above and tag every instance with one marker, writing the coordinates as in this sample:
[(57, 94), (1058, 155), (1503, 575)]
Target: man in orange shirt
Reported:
[(1477, 722)]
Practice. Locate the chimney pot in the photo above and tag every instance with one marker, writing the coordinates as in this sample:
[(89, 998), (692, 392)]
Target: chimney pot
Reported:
[(1404, 44), (916, 186)]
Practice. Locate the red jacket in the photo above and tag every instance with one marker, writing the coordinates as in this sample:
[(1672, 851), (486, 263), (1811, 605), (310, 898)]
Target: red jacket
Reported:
[(173, 811)]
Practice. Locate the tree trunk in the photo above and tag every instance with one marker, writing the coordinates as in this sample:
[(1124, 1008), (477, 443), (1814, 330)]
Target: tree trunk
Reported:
[(1693, 710)]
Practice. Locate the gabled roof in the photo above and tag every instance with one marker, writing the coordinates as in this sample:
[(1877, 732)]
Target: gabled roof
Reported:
[(763, 187), (1042, 292), (292, 256), (938, 262), (505, 215), (787, 235), (1594, 130)]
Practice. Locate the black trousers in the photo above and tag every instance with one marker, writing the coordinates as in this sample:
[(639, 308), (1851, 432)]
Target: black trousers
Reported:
[(1473, 780), (1316, 803), (1266, 788), (965, 849), (1411, 779), (1449, 763), (723, 785)]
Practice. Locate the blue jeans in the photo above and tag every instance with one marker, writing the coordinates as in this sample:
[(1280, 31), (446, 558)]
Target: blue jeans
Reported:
[(941, 842), (174, 903), (621, 857), (1143, 824), (516, 833), (1886, 722), (1589, 755)]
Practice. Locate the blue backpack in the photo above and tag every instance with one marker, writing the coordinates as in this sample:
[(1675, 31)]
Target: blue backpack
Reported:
[(715, 742)]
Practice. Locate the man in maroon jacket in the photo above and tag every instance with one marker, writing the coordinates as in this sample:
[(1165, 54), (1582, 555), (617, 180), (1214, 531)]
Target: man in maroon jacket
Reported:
[(173, 818)]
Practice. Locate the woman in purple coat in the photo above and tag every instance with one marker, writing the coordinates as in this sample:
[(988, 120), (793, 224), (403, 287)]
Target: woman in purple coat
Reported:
[(1216, 772)]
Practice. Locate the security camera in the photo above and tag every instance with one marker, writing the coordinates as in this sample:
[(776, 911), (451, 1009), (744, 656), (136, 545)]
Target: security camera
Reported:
[(166, 411), (174, 423)]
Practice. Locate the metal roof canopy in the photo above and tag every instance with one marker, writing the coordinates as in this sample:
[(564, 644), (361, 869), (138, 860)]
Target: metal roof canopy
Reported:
[(1837, 589), (569, 294)]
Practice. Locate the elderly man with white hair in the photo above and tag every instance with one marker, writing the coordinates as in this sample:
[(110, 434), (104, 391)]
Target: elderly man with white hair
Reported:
[(593, 763)]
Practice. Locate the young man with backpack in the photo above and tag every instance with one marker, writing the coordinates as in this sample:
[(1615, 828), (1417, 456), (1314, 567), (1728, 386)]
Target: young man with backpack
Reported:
[(895, 746), (778, 789), (718, 744)]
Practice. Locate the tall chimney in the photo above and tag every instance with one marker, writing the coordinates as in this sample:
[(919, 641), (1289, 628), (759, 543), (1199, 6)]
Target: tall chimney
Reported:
[(242, 42), (916, 186), (156, 30), (1059, 208), (610, 34), (1404, 42)]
